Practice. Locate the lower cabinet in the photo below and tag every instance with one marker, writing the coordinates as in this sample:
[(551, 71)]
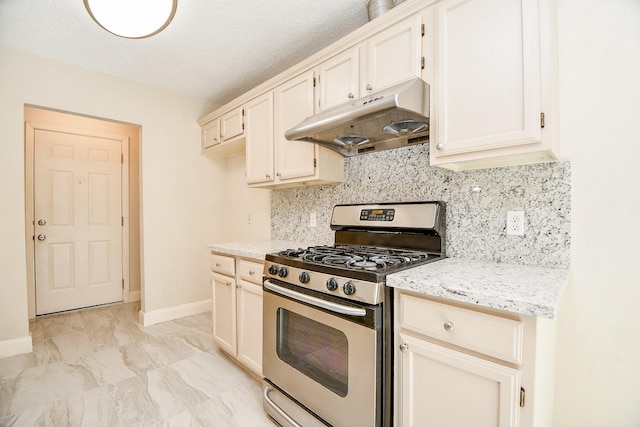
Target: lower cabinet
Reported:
[(237, 309), (461, 366)]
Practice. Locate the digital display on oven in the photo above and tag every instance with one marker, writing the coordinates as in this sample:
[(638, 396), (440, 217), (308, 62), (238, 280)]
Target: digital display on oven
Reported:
[(377, 214)]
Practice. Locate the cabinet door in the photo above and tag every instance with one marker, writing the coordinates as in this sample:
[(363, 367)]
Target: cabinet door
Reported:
[(231, 124), (293, 103), (211, 133), (259, 139), (224, 312), (487, 88), (338, 79), (446, 388), (250, 325), (393, 55)]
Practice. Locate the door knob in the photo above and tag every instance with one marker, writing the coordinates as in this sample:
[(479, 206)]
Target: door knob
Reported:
[(41, 237), (42, 222), (404, 347)]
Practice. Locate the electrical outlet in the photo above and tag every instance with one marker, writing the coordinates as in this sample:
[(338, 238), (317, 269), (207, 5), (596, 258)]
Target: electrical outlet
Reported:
[(312, 220), (515, 223)]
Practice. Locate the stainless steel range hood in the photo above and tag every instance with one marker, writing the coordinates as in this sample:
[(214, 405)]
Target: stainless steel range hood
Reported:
[(390, 118)]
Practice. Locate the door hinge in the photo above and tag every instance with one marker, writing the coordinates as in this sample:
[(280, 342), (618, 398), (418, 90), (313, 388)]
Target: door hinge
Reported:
[(122, 158), (422, 63), (121, 220), (314, 81), (422, 29), (315, 163), (522, 396), (243, 112), (542, 120), (123, 283)]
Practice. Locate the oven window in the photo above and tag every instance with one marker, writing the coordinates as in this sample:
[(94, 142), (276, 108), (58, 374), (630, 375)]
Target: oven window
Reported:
[(317, 350)]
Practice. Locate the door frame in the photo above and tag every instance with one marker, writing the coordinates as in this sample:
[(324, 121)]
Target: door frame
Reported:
[(39, 118)]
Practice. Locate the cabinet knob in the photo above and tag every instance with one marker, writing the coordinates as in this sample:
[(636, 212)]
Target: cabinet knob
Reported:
[(448, 326), (228, 283), (267, 176), (369, 87), (42, 222), (350, 95), (278, 174), (218, 265), (439, 147), (238, 286), (404, 347), (251, 272)]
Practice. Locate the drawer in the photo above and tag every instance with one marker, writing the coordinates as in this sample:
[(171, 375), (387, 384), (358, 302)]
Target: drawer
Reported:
[(484, 333), (250, 271), (223, 264)]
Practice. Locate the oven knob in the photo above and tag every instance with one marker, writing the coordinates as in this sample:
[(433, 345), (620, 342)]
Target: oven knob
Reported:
[(332, 284), (273, 269), (349, 288), (283, 272), (304, 277)]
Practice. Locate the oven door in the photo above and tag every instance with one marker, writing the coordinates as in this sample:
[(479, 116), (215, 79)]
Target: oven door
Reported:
[(324, 353)]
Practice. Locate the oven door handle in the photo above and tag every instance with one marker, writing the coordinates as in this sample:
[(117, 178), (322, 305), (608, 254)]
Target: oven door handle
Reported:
[(272, 404), (317, 302)]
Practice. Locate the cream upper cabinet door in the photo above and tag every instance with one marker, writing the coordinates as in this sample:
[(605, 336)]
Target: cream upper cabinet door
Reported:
[(487, 90), (293, 103), (259, 139), (211, 134), (231, 124), (224, 312), (392, 56), (338, 79), (446, 388)]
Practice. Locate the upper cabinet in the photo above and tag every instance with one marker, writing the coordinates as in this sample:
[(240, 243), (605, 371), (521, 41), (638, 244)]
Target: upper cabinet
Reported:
[(393, 55), (491, 66), (222, 136), (491, 63), (389, 57), (294, 162)]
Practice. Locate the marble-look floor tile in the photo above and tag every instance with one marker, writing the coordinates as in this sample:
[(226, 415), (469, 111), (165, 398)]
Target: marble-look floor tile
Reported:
[(31, 417), (230, 409), (168, 349), (181, 419), (36, 328), (144, 399), (68, 347), (71, 378), (115, 335), (24, 391), (93, 408), (61, 324), (112, 366), (11, 367), (136, 359), (97, 318)]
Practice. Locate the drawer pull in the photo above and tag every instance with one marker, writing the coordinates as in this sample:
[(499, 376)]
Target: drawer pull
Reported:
[(404, 347), (448, 326)]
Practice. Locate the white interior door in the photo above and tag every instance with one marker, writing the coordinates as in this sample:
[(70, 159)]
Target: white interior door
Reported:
[(78, 211)]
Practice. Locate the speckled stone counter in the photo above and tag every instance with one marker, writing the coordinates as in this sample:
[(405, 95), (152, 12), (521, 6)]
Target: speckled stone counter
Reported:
[(530, 290), (256, 249)]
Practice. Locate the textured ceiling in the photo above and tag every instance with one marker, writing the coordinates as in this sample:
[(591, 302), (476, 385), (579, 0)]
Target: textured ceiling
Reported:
[(213, 49)]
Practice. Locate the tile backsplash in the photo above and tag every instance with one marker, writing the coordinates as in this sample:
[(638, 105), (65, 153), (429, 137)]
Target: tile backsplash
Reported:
[(477, 204)]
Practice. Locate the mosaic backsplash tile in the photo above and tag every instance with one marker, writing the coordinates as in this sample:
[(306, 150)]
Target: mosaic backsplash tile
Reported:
[(476, 220)]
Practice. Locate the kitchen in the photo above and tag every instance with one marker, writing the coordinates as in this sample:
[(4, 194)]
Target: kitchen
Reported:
[(597, 339)]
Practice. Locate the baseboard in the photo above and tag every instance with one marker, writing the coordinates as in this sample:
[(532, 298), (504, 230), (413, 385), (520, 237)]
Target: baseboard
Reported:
[(16, 346), (176, 312)]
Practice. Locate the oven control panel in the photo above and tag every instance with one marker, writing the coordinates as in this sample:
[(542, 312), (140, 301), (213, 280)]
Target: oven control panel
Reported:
[(377, 214), (343, 287)]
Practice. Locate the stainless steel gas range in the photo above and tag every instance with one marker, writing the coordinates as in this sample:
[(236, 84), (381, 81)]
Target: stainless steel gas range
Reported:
[(327, 315)]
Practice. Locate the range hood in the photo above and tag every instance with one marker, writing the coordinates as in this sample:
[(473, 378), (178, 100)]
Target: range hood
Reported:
[(391, 118)]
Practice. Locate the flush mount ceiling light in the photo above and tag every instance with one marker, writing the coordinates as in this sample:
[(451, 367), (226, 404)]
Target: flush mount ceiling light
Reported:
[(132, 19)]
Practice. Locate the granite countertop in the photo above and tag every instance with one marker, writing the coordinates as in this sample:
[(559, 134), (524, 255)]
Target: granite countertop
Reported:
[(522, 289), (256, 249)]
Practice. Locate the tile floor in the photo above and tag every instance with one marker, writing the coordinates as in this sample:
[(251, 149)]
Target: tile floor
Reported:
[(99, 367)]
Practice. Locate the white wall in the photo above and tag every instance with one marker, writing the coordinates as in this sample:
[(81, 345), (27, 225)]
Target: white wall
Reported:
[(179, 200), (598, 369)]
